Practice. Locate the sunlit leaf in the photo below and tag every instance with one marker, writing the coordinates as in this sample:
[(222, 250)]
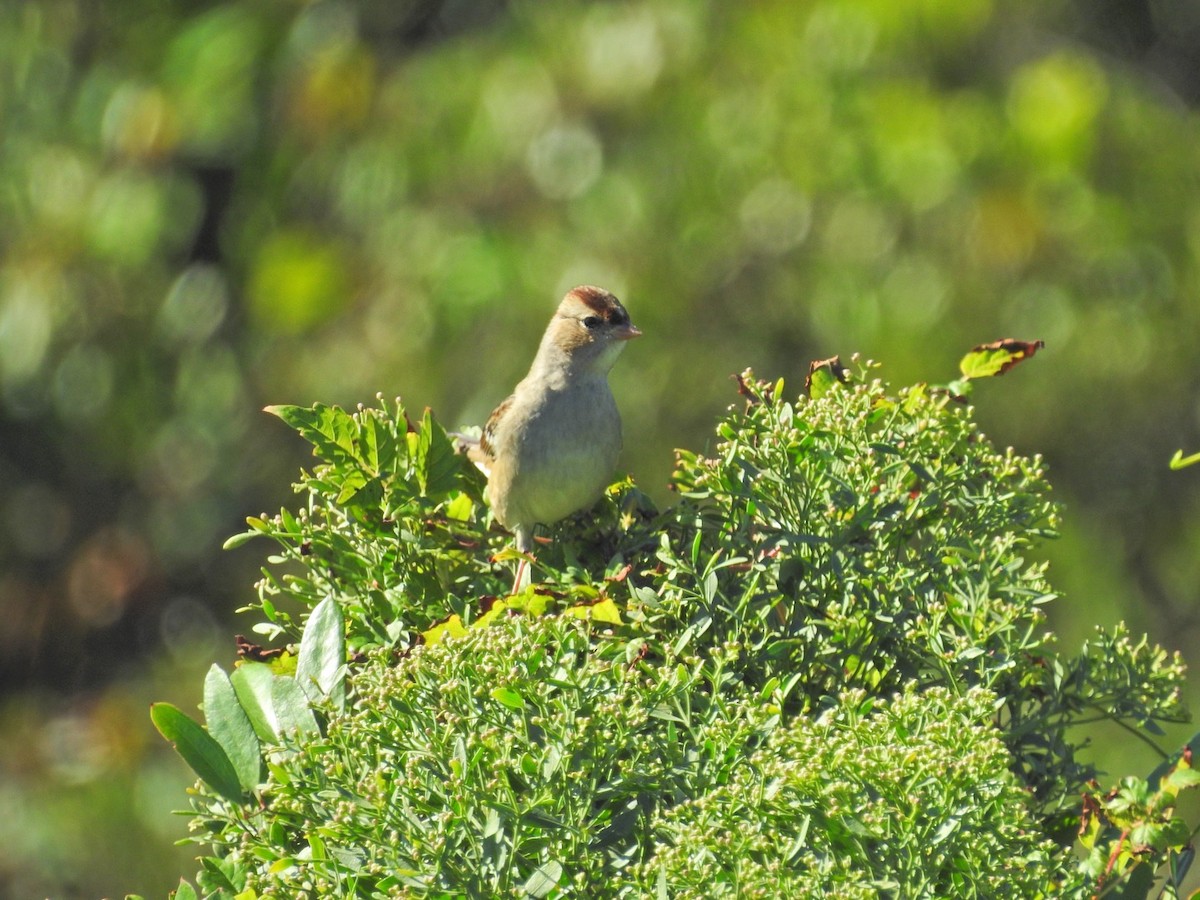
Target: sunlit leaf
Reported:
[(544, 880), (823, 376), (291, 705), (198, 749), (997, 357), (508, 697), (321, 664), (451, 628), (1179, 461), (230, 726), (252, 682), (437, 463)]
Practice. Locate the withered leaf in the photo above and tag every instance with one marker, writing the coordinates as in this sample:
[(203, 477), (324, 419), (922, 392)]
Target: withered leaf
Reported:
[(823, 374), (997, 357), (256, 652)]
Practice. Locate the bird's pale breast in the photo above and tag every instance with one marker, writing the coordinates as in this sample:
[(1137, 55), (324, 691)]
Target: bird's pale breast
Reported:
[(564, 455)]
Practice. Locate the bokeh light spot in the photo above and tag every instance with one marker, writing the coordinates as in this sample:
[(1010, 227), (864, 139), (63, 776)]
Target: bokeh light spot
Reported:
[(859, 231), (622, 50), (520, 101), (25, 328), (195, 305), (1054, 102), (565, 161), (83, 383), (840, 36), (914, 293), (104, 573), (138, 123), (127, 216), (297, 282), (775, 217)]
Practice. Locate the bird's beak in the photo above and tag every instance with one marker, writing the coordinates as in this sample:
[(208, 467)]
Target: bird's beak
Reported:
[(627, 333)]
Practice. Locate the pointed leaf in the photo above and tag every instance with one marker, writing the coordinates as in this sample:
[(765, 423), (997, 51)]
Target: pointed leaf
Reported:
[(823, 376), (230, 727), (321, 666), (330, 429), (198, 749), (292, 711), (453, 627), (1179, 461), (543, 880), (252, 683), (997, 357), (437, 463), (238, 539), (508, 697), (184, 892), (604, 611)]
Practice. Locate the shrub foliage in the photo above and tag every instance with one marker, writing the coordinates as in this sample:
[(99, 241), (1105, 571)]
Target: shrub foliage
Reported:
[(823, 671)]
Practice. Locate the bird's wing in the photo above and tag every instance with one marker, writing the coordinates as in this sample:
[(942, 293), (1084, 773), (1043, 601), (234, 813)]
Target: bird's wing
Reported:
[(481, 450), (487, 440)]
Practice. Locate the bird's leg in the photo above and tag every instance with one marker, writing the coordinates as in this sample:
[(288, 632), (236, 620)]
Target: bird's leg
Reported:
[(524, 535)]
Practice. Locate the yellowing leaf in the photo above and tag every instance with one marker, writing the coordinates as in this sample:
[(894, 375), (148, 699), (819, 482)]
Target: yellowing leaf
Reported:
[(604, 611), (997, 357), (452, 628)]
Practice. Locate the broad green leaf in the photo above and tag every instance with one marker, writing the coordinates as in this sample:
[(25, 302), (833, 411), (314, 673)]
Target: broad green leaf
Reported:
[(184, 892), (388, 445), (321, 665), (353, 481), (230, 726), (252, 683), (330, 429), (437, 463), (292, 710), (198, 749), (453, 627), (604, 611), (508, 697), (543, 880), (823, 376), (460, 508)]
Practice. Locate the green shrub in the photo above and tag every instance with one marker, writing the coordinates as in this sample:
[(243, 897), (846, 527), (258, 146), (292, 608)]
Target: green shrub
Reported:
[(824, 671)]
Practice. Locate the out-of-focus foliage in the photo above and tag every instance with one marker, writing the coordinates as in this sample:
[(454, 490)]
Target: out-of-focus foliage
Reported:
[(207, 207)]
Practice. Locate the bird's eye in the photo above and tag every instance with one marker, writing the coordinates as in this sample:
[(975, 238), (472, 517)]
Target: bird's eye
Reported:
[(591, 322)]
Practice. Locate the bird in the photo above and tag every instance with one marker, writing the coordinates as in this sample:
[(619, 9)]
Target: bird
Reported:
[(549, 449)]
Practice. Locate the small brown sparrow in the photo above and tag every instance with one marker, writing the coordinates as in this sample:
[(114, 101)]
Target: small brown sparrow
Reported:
[(551, 447)]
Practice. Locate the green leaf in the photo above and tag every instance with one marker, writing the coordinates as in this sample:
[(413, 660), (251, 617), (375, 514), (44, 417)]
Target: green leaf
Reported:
[(508, 697), (184, 892), (238, 539), (823, 376), (252, 683), (292, 711), (330, 429), (1179, 461), (437, 463), (997, 357), (321, 666), (230, 727), (198, 749), (453, 627), (543, 880)]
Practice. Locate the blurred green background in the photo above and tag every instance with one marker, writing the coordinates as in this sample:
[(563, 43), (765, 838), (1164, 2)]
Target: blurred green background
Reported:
[(208, 207)]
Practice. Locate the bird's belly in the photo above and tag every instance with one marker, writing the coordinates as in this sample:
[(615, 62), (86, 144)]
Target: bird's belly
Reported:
[(567, 458)]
